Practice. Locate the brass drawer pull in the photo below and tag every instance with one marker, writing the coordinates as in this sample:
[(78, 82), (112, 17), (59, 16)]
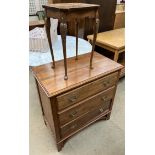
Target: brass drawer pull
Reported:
[(106, 83), (73, 114), (73, 126), (104, 98), (101, 109), (72, 99)]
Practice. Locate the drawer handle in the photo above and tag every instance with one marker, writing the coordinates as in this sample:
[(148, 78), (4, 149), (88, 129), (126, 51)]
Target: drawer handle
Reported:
[(104, 98), (106, 83), (101, 109), (73, 114), (73, 99), (73, 126)]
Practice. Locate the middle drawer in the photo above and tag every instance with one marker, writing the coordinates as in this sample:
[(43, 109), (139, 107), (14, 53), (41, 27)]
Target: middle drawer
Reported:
[(85, 106)]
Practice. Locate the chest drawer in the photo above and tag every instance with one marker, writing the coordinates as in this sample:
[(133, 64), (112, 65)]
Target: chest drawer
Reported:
[(85, 91), (85, 106), (87, 118)]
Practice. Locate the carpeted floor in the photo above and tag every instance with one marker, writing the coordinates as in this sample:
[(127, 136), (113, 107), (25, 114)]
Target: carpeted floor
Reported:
[(101, 138)]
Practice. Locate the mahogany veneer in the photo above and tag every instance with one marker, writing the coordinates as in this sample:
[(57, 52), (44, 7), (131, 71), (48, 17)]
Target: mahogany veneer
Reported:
[(87, 96)]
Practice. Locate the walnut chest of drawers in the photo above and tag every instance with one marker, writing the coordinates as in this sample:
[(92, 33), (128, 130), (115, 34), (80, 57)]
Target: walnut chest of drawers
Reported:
[(68, 106)]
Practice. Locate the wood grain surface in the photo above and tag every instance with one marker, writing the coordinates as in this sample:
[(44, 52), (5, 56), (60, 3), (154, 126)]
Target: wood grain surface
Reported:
[(85, 106), (52, 80), (70, 6), (84, 120), (67, 12), (67, 119), (113, 38), (76, 95), (34, 24), (106, 12)]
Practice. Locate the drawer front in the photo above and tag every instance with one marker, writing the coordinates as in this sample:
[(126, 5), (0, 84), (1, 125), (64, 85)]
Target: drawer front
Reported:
[(85, 91), (82, 121), (85, 106)]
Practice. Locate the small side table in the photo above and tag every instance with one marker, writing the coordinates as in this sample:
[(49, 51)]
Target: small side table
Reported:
[(66, 12)]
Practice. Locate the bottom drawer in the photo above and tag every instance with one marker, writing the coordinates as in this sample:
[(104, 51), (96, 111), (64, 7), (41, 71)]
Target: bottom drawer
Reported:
[(77, 124)]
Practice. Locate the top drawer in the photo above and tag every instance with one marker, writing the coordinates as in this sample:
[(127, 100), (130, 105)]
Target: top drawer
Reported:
[(85, 91)]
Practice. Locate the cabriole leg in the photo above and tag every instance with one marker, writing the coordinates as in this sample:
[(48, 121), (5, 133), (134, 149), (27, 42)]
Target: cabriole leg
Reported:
[(76, 33), (63, 31), (96, 27)]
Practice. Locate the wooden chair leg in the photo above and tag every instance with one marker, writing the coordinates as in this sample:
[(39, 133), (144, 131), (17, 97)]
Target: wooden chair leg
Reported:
[(116, 56)]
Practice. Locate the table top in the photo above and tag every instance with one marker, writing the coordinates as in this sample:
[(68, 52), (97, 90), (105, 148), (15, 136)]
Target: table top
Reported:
[(70, 6), (38, 22), (113, 38), (52, 80)]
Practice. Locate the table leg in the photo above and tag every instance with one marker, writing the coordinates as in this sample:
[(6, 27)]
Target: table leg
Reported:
[(76, 33), (47, 25), (63, 31), (116, 56), (96, 27)]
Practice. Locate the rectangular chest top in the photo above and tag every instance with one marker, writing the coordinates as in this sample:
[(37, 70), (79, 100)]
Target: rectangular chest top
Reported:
[(52, 80), (70, 6)]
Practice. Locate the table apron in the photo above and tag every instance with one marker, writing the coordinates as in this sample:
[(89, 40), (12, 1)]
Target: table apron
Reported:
[(67, 16)]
